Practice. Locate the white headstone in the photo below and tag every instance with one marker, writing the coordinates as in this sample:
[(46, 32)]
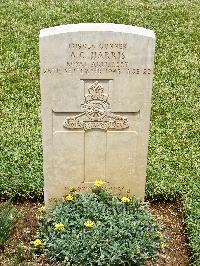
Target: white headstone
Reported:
[(96, 85)]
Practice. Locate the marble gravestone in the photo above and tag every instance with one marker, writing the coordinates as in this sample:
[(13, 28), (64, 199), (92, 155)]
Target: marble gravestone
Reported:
[(96, 85)]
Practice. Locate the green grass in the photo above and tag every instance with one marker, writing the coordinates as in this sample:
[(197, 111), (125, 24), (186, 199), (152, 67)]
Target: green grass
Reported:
[(173, 148)]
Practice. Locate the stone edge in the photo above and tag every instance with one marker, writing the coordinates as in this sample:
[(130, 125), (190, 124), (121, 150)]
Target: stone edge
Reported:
[(92, 27)]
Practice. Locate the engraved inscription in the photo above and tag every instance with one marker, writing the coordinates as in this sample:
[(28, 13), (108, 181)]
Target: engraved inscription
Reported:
[(97, 112), (97, 68), (97, 58)]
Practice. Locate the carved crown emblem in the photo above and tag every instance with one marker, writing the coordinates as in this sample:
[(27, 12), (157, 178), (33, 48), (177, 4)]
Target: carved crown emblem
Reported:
[(97, 112), (96, 92)]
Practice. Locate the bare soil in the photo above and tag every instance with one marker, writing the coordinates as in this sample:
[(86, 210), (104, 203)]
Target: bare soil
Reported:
[(169, 214)]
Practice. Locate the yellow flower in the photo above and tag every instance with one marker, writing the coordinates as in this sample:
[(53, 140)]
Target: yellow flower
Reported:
[(69, 197), (41, 209), (59, 227), (98, 183), (37, 242), (88, 224), (40, 212), (125, 200), (158, 234), (162, 245)]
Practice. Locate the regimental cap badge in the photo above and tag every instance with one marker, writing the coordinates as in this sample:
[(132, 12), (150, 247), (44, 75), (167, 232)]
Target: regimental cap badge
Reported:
[(97, 112)]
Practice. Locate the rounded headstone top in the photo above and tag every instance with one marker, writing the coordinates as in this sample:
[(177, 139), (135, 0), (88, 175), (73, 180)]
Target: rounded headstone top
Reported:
[(98, 27)]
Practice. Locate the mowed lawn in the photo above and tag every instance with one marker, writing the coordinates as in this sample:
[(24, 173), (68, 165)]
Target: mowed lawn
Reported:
[(174, 150)]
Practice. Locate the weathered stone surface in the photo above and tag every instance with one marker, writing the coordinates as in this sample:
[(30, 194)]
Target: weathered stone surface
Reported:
[(96, 83)]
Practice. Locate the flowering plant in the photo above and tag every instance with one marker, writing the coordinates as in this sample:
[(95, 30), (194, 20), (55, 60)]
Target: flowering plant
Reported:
[(69, 197), (98, 183), (59, 227), (88, 224), (37, 243), (125, 200), (99, 229)]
